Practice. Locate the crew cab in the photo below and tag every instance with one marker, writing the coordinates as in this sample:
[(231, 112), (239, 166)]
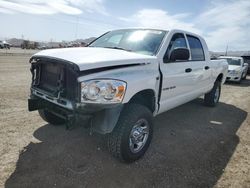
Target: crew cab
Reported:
[(237, 69), (121, 81)]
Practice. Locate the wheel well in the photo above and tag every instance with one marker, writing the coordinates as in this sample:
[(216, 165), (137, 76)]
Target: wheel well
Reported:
[(220, 77), (146, 98)]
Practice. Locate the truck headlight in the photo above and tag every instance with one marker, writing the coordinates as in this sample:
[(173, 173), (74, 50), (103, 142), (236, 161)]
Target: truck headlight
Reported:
[(102, 91)]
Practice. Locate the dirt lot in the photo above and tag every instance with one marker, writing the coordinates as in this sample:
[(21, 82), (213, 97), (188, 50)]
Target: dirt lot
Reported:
[(193, 145)]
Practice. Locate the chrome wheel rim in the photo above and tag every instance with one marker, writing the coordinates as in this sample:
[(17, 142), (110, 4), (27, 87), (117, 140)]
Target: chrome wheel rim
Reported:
[(216, 95), (138, 135)]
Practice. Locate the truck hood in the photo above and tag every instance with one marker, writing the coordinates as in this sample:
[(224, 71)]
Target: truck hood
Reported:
[(233, 67), (93, 57)]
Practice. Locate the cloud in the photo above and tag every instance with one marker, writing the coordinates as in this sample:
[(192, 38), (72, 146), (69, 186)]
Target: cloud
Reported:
[(26, 8), (6, 11), (72, 7), (160, 19), (90, 5), (222, 23), (64, 8), (226, 13), (234, 37), (226, 23)]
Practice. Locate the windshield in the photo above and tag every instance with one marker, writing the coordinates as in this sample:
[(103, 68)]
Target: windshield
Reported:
[(135, 40), (231, 61)]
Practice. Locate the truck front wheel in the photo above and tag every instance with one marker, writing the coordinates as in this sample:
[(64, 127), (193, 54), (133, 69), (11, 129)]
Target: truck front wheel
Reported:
[(132, 135), (50, 117), (212, 98)]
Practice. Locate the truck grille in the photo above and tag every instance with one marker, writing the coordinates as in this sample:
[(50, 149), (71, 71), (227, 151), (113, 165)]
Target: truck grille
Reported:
[(55, 79), (50, 77)]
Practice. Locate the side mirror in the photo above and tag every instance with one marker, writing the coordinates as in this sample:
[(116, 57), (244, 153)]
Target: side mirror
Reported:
[(245, 64), (181, 54)]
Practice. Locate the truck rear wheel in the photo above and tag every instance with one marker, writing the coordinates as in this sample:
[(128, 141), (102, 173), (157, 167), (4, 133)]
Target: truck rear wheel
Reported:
[(132, 135), (212, 98), (50, 117)]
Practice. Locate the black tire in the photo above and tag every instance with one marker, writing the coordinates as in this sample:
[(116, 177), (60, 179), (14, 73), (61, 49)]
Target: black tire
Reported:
[(119, 140), (212, 98), (51, 118)]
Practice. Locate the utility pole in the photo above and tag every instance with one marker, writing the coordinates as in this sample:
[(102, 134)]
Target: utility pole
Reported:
[(226, 51)]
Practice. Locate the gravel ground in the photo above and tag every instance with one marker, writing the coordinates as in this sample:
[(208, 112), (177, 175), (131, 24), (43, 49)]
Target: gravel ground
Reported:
[(17, 51), (193, 145)]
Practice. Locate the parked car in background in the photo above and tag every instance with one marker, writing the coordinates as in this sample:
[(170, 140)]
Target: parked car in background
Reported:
[(4, 44), (237, 69), (123, 79), (42, 47)]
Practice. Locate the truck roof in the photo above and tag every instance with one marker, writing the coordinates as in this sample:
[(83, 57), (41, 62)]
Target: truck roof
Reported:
[(159, 29)]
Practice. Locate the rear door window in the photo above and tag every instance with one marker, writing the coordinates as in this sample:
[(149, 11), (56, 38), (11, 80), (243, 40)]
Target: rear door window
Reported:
[(196, 49)]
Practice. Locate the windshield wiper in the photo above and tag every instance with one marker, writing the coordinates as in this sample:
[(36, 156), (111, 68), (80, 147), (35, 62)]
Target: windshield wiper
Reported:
[(117, 48)]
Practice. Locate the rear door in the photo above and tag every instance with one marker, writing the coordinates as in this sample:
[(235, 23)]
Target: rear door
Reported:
[(201, 67)]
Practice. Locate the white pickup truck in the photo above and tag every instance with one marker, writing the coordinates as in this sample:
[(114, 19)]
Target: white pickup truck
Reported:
[(123, 79), (237, 69)]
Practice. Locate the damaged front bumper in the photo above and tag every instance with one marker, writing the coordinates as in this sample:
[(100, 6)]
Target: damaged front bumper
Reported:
[(55, 88), (103, 116)]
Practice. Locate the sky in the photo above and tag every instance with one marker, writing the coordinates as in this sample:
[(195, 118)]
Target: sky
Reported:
[(221, 22)]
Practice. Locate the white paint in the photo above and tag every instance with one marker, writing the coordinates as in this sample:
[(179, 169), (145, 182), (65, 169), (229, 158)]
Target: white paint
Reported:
[(93, 57), (187, 86)]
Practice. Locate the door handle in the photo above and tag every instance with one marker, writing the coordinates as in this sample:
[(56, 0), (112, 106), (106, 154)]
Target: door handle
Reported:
[(207, 67), (188, 70)]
